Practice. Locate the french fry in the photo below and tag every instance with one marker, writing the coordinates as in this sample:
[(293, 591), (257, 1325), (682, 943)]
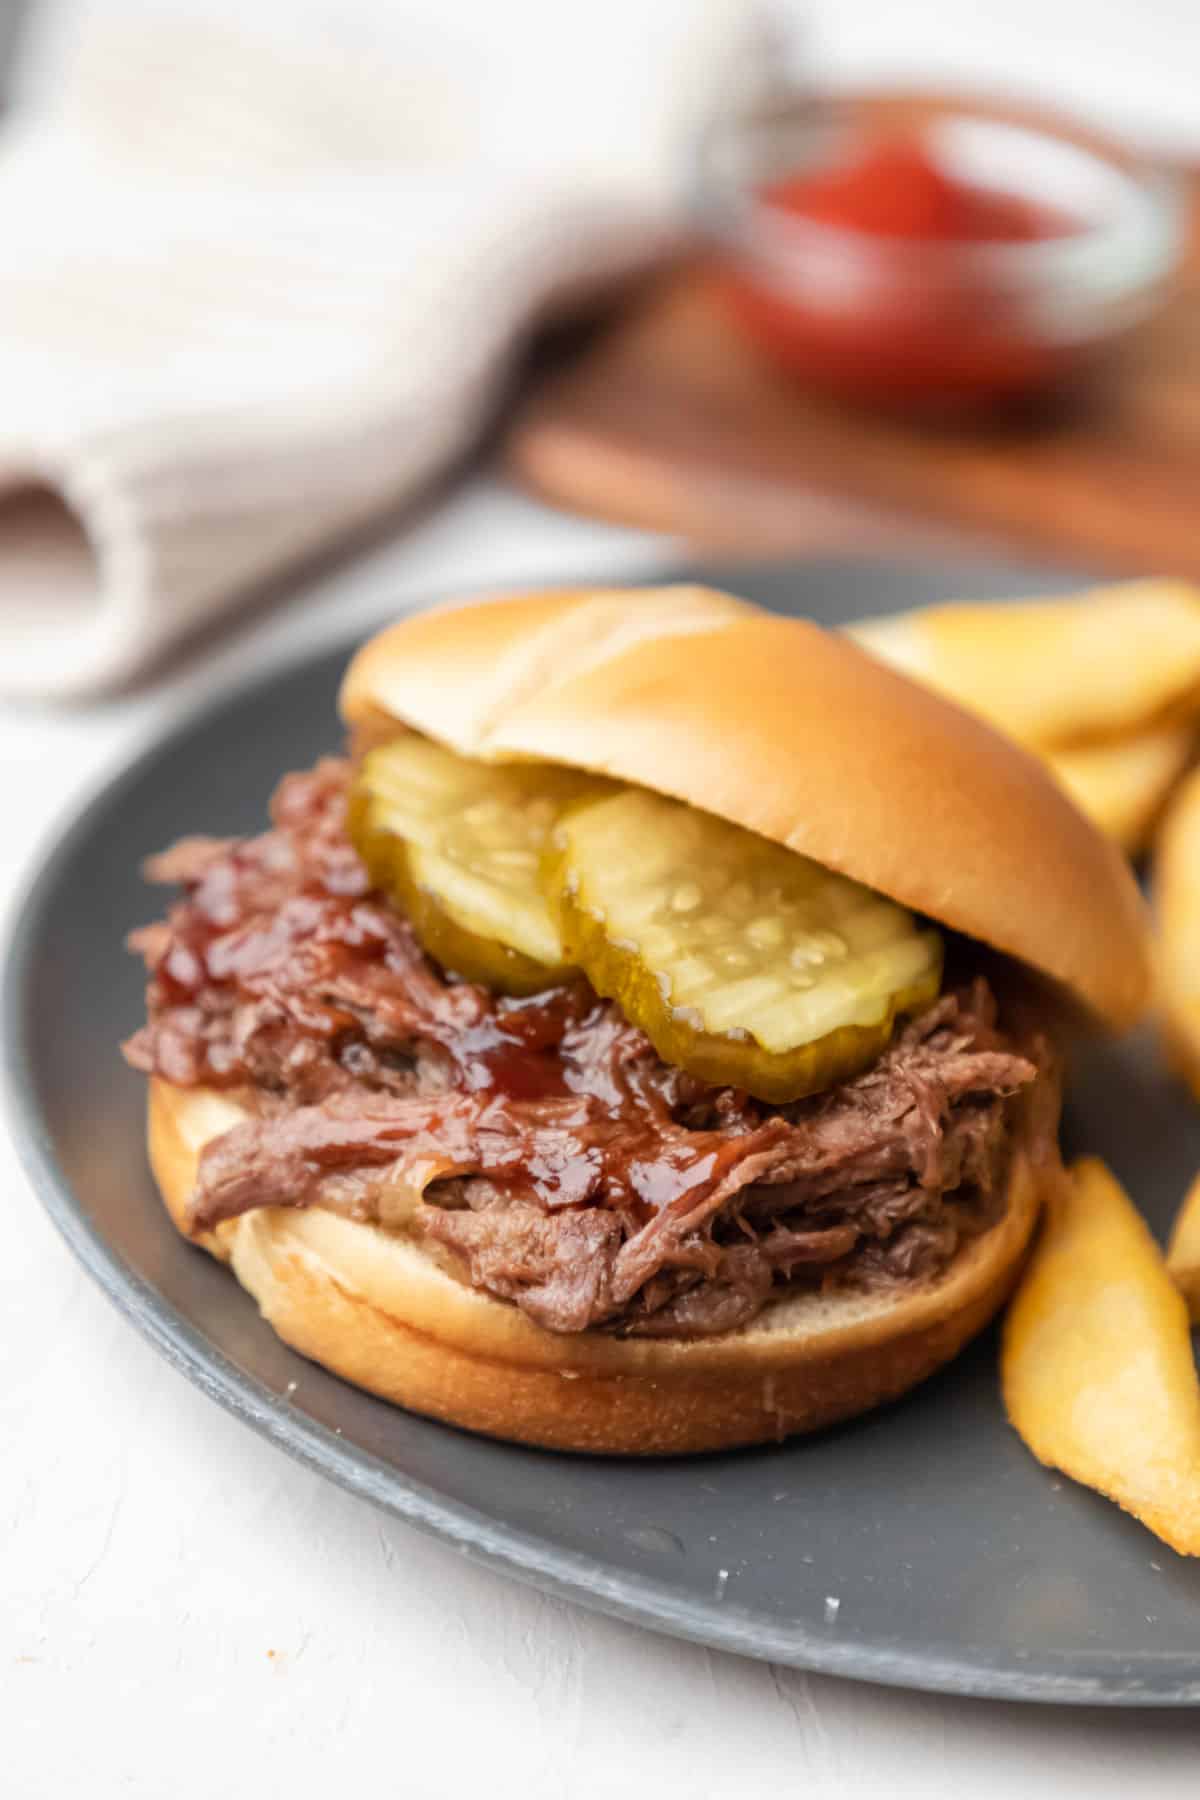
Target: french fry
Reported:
[(1177, 908), (1123, 786), (1183, 1252), (1105, 664), (1097, 1362)]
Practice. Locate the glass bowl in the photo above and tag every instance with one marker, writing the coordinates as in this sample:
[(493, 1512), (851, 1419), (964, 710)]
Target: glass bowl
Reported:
[(934, 324)]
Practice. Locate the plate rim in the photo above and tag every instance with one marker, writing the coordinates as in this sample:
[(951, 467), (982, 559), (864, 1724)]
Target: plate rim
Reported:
[(640, 1599)]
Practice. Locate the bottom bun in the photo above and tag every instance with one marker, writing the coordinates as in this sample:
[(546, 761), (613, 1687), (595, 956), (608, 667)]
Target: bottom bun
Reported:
[(393, 1316)]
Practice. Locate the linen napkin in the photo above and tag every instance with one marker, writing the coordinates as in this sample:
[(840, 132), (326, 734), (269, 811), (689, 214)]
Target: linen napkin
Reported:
[(263, 269)]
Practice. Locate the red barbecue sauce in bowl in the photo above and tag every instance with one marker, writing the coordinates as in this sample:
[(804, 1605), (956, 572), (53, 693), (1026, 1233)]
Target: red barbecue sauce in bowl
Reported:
[(888, 278)]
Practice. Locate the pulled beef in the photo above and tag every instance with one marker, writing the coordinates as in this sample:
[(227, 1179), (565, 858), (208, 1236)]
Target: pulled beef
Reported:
[(542, 1144)]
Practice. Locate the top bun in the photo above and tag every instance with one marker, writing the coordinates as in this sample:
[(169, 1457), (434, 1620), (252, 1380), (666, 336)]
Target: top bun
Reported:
[(792, 732)]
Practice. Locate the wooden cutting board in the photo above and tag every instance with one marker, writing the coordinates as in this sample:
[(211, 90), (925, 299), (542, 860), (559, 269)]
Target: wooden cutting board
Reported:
[(670, 419)]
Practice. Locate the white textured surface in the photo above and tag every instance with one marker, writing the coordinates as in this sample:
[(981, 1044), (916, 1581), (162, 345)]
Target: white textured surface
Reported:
[(184, 1613)]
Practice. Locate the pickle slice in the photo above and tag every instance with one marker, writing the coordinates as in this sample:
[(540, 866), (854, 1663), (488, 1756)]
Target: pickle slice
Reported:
[(743, 963), (457, 844)]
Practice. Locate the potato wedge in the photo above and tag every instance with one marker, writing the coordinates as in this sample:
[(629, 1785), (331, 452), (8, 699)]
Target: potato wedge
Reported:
[(1089, 667), (1183, 1252), (1097, 1366), (1123, 786), (1176, 894)]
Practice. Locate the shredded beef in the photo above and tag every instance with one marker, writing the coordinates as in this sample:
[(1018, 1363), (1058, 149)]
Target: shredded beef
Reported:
[(542, 1144)]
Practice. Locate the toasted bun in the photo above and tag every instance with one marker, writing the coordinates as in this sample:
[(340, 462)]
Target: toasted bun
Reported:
[(793, 732), (388, 1314)]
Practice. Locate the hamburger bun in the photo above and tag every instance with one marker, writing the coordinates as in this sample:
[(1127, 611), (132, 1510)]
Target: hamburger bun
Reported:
[(389, 1314), (790, 731)]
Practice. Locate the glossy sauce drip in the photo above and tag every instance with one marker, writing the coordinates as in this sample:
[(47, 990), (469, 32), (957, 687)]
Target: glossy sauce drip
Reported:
[(516, 1049)]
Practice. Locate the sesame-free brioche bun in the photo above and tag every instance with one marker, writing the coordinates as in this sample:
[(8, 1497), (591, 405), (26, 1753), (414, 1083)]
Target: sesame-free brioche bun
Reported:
[(792, 732), (389, 1314)]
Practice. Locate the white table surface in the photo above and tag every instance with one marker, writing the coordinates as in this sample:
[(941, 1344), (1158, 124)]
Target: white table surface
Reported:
[(185, 1613)]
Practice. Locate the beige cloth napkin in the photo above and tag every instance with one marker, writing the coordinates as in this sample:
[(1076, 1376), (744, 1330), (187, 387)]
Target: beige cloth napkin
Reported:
[(262, 268)]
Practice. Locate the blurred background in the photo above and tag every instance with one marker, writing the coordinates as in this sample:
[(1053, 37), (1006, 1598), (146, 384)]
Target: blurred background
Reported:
[(758, 277), (1132, 66), (1126, 66)]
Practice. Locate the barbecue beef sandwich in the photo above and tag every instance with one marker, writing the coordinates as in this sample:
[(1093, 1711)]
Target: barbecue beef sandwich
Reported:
[(644, 1038)]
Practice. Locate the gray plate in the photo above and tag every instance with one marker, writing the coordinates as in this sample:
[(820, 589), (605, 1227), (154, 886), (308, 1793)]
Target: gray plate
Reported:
[(955, 1561)]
